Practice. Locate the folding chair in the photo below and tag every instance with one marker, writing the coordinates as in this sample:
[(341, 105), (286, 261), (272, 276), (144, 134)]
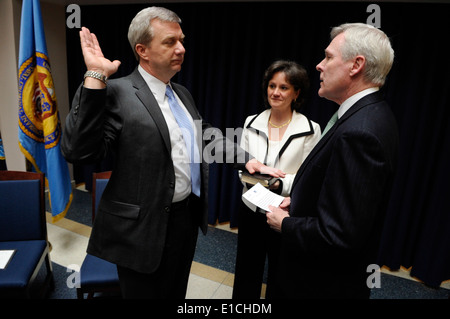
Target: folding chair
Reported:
[(97, 275), (23, 229)]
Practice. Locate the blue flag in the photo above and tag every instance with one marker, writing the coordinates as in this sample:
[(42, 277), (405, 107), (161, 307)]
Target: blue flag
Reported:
[(2, 151), (39, 124)]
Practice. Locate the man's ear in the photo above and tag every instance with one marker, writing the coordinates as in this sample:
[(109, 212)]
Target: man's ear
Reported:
[(358, 65), (141, 50)]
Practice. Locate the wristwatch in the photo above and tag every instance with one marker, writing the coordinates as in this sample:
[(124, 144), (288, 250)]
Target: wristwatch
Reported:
[(95, 75)]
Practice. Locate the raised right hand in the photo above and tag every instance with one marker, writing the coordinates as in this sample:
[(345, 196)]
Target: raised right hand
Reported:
[(93, 56)]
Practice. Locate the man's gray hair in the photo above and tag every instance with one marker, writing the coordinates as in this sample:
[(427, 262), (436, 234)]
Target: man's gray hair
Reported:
[(370, 42), (140, 30)]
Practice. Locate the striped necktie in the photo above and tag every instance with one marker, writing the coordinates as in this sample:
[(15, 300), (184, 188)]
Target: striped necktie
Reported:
[(189, 138)]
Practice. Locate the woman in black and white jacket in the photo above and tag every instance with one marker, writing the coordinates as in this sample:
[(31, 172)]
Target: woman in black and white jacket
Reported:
[(280, 137)]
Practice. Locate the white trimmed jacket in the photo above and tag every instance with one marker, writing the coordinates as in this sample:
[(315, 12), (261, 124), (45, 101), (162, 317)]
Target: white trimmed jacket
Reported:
[(298, 140)]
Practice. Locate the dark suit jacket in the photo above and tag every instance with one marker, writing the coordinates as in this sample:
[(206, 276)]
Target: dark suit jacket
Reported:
[(131, 222), (338, 201)]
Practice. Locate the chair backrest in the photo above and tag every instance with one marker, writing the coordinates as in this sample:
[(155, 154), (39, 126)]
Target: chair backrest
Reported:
[(22, 206), (99, 181)]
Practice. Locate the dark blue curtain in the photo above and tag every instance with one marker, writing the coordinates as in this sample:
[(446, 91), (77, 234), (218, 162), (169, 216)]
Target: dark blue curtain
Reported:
[(229, 45)]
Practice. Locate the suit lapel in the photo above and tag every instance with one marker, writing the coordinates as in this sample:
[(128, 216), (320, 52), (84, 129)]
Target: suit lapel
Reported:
[(148, 100), (365, 101), (300, 126)]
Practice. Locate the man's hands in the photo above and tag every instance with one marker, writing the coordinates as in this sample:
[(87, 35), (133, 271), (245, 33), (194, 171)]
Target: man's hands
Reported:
[(94, 59), (253, 166), (276, 214)]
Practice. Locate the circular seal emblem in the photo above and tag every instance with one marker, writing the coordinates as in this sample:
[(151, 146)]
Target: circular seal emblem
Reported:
[(38, 117)]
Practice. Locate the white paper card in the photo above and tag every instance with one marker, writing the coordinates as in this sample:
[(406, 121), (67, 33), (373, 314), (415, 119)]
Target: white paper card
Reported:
[(262, 197), (5, 256)]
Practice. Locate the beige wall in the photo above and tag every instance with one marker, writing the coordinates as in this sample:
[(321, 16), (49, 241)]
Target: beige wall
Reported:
[(54, 17), (9, 37)]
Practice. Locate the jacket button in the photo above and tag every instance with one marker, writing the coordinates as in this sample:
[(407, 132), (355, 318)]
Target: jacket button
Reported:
[(167, 209), (172, 185)]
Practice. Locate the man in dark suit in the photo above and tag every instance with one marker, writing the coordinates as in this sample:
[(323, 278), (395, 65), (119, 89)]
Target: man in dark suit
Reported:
[(332, 222), (149, 214)]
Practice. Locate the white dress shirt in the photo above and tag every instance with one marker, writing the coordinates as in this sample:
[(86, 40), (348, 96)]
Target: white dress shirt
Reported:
[(348, 103), (180, 155)]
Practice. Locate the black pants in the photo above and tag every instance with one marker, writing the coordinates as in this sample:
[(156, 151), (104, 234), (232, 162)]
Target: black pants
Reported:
[(256, 240), (170, 280)]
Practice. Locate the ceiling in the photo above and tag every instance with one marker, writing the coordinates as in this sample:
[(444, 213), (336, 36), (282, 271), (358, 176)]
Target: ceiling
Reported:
[(105, 2), (96, 2)]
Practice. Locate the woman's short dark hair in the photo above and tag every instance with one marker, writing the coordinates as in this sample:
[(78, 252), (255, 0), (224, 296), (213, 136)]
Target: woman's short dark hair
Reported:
[(295, 74)]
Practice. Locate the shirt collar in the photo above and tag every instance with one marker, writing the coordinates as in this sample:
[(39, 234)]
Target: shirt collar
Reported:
[(157, 87), (348, 103)]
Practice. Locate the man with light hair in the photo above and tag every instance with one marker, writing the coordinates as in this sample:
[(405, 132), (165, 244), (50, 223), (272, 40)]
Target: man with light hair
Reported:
[(332, 222), (375, 47), (156, 199)]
